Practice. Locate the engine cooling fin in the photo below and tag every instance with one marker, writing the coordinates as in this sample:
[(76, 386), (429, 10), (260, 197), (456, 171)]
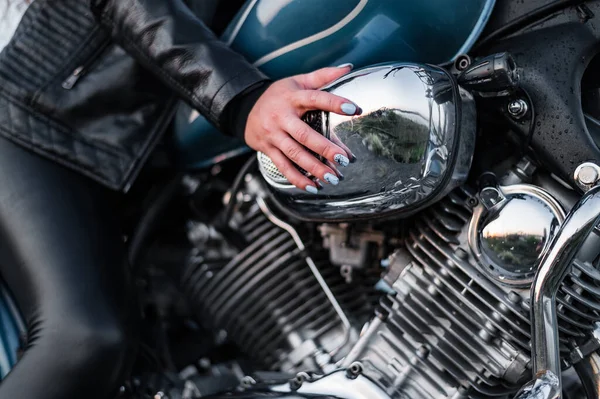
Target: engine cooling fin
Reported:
[(449, 329), (448, 332), (578, 302), (269, 302), (578, 298)]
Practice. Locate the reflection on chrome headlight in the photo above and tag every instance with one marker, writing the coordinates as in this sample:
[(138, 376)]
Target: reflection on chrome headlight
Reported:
[(413, 142)]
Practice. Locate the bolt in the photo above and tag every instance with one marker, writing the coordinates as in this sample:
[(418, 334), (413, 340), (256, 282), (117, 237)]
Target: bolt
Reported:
[(491, 197), (355, 370), (190, 184), (587, 174), (247, 381), (526, 167), (383, 286), (514, 297), (462, 62), (461, 254), (298, 380), (518, 108), (472, 202), (323, 359), (423, 352)]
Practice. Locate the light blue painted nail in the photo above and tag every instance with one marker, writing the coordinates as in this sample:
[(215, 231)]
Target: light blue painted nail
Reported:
[(312, 189), (346, 65), (348, 108), (341, 159), (331, 179)]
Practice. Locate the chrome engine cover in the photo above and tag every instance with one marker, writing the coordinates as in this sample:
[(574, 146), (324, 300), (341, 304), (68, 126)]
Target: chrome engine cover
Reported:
[(413, 142), (511, 230)]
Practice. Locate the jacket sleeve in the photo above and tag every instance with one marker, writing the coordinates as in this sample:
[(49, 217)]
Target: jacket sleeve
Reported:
[(167, 38)]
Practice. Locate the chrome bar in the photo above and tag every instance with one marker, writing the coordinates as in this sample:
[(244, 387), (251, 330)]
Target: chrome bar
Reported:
[(315, 271), (362, 342), (553, 267), (338, 385)]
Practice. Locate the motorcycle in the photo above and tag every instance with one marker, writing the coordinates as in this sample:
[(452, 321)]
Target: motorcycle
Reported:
[(459, 257)]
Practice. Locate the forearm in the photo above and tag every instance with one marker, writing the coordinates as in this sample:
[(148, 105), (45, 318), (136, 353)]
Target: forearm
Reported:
[(165, 37)]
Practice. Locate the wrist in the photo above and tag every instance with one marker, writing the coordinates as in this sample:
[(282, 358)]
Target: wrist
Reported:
[(236, 113)]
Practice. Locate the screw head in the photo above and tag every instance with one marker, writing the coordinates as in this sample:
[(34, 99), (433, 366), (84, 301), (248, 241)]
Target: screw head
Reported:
[(518, 108), (355, 370), (588, 175)]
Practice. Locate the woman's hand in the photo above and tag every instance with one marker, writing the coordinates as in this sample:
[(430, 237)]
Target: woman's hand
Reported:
[(274, 127)]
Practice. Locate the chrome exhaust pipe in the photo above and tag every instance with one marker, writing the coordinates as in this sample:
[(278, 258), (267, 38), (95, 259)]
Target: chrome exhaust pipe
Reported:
[(552, 269)]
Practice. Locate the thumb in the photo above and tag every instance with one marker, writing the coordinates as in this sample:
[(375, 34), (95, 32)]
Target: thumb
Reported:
[(320, 77)]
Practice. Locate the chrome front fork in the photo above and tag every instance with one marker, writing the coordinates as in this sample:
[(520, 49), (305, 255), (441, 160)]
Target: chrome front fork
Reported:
[(553, 267)]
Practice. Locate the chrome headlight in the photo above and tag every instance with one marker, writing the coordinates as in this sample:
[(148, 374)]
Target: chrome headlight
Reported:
[(413, 142)]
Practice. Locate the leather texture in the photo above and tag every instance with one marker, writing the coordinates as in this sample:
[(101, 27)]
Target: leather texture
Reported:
[(168, 39), (62, 256), (91, 84)]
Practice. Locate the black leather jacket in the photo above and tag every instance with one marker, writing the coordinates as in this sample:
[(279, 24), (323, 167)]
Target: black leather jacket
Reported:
[(91, 83)]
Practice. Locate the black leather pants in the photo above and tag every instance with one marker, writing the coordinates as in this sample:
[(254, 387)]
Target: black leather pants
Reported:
[(61, 254)]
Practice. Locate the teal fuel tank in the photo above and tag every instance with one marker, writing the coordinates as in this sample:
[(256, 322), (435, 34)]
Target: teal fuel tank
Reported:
[(287, 37)]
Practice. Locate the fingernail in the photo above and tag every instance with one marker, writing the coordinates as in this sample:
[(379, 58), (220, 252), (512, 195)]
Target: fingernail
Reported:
[(311, 189), (348, 108), (352, 158), (346, 65), (319, 185), (341, 159), (340, 175), (331, 179)]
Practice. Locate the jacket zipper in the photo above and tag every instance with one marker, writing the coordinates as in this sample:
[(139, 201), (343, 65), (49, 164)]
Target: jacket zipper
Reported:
[(81, 70), (70, 82)]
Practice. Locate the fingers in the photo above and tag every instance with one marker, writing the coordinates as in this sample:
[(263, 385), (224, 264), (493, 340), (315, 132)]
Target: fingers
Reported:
[(321, 77), (336, 140), (303, 134), (299, 155), (290, 172), (275, 128), (308, 100), (333, 167)]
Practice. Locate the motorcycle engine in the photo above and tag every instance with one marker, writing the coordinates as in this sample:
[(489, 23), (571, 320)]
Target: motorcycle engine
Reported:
[(449, 291)]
